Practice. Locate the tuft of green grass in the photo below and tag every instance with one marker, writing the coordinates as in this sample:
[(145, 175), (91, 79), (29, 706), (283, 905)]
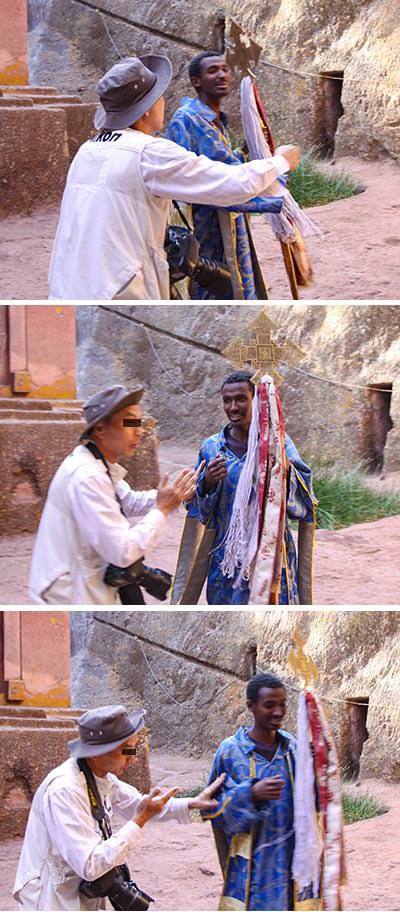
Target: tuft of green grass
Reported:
[(361, 807), (346, 499), (311, 186)]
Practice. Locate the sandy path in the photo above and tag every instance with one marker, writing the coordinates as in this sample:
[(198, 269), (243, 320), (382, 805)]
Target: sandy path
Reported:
[(359, 255), (179, 867), (354, 566), (357, 258)]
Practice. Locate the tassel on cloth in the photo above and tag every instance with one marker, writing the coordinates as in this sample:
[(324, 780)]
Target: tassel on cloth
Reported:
[(308, 847), (291, 217), (242, 536)]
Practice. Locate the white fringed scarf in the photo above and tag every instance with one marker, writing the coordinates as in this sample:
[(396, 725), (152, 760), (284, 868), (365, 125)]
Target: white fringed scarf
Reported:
[(308, 844), (291, 216)]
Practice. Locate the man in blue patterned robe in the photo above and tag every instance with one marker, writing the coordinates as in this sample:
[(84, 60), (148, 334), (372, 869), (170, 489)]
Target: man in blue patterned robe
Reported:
[(200, 126), (253, 824), (225, 454)]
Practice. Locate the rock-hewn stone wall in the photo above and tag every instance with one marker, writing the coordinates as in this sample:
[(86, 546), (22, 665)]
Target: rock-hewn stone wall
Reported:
[(195, 655), (356, 345), (359, 39), (69, 47), (68, 39)]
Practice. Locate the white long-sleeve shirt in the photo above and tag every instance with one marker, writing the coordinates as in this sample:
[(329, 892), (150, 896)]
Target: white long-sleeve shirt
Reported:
[(82, 530), (116, 207), (171, 171), (63, 844)]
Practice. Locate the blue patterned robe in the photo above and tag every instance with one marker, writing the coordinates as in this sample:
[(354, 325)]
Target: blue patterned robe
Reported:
[(255, 842), (193, 127), (215, 509)]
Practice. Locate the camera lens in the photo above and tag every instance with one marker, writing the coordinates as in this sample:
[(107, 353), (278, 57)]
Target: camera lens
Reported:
[(214, 276)]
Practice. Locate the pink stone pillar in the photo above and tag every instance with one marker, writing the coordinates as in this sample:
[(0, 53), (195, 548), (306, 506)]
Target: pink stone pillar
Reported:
[(38, 350), (37, 657), (14, 42), (18, 353), (51, 350), (12, 656), (45, 657)]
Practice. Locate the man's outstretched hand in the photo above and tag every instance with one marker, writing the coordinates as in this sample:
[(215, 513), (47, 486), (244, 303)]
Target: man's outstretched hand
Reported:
[(172, 492), (152, 804), (292, 155), (204, 800)]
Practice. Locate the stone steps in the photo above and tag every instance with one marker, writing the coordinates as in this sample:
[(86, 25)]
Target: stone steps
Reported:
[(38, 712), (31, 423), (12, 402), (36, 95), (28, 89), (15, 101), (33, 740), (30, 724), (35, 435), (44, 99), (40, 132), (29, 718), (45, 410), (63, 711), (54, 415)]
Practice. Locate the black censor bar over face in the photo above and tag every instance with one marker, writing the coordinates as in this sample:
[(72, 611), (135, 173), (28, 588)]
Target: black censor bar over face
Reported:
[(132, 422), (131, 751)]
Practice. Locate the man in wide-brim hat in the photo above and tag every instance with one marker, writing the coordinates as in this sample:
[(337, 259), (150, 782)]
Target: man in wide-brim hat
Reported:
[(116, 204), (86, 520), (64, 843)]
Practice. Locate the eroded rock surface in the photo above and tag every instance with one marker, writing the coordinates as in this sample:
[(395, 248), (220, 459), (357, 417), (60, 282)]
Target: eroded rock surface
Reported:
[(195, 655)]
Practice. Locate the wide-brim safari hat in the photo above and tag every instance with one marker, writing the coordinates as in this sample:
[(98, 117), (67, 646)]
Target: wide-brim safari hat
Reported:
[(103, 729), (107, 402), (130, 89)]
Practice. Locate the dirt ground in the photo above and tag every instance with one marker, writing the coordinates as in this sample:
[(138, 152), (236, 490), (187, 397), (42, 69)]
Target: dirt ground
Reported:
[(357, 257), (179, 866), (354, 566)]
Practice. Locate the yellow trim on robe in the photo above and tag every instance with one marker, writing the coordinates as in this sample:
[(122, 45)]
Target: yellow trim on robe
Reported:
[(217, 813), (314, 525), (241, 845), (286, 568), (232, 220), (230, 904)]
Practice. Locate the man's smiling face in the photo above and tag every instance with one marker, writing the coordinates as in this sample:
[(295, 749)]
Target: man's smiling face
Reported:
[(215, 80)]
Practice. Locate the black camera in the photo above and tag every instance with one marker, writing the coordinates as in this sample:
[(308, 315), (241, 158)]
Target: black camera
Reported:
[(122, 892), (155, 581), (182, 251)]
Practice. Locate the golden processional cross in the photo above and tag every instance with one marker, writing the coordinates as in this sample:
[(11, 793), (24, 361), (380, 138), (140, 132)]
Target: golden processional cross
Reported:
[(242, 52), (259, 351), (300, 662)]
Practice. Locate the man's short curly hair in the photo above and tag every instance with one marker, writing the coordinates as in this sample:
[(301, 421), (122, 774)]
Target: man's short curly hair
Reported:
[(264, 679), (195, 64), (240, 376)]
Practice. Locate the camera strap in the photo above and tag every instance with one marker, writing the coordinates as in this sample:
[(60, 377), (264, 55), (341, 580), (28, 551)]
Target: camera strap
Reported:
[(182, 215), (98, 455), (96, 806)]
